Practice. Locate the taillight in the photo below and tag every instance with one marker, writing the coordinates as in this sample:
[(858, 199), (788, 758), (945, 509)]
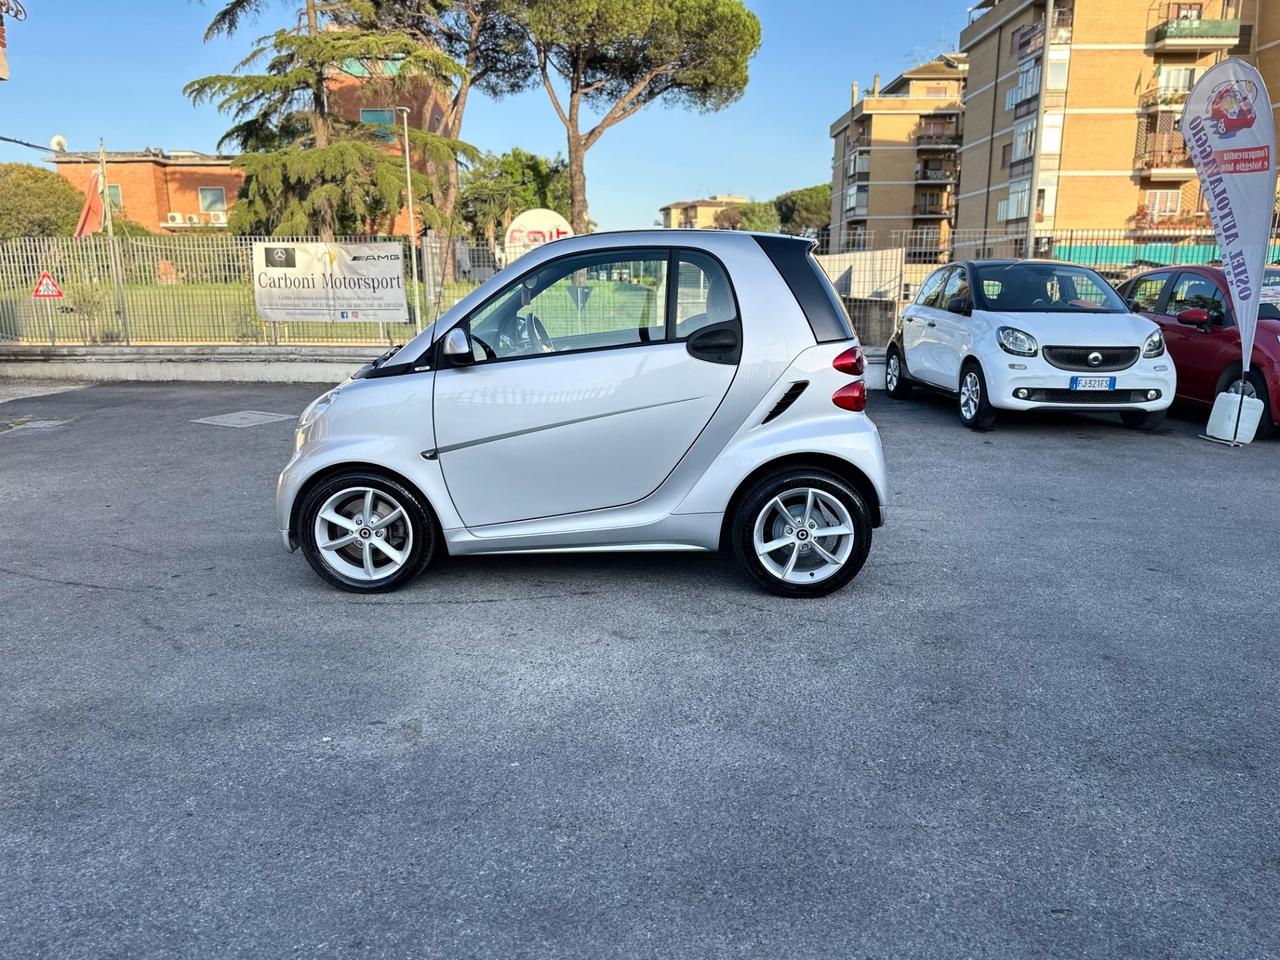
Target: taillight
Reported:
[(852, 396), (850, 362)]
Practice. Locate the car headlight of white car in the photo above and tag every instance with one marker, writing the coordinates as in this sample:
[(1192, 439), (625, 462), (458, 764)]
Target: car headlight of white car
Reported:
[(1018, 342), (317, 406), (1154, 347)]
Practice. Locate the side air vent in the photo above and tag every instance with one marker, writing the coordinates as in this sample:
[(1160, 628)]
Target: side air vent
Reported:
[(788, 398)]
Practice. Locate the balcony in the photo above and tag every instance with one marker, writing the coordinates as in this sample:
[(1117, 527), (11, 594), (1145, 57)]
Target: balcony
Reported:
[(1061, 27), (937, 141), (1180, 34), (1171, 162), (1163, 98), (932, 210), (935, 176), (860, 142)]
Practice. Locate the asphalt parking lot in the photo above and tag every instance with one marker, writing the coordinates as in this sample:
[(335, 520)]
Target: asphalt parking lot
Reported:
[(1041, 723)]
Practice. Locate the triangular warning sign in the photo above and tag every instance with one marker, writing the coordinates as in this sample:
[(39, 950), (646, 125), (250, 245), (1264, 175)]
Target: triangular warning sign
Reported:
[(46, 288)]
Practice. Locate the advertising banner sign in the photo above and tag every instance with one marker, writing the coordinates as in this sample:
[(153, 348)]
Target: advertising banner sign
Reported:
[(336, 282), (1230, 132)]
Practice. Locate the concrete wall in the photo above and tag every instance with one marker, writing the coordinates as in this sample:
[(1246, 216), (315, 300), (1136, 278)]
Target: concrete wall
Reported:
[(203, 363)]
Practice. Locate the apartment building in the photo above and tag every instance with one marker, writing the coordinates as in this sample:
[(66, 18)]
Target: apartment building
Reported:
[(894, 160), (162, 192), (699, 214), (1072, 110)]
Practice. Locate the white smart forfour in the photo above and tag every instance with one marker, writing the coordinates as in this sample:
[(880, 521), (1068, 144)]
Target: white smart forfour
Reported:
[(1030, 334), (663, 390)]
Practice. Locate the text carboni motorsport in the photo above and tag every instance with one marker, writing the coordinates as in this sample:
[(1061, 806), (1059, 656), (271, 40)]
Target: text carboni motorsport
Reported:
[(328, 281)]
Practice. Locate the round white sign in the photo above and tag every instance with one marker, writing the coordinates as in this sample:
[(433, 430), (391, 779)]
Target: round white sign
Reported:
[(535, 227)]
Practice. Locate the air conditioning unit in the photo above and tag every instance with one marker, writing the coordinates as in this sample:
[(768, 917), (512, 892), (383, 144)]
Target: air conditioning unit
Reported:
[(193, 219), (218, 219), (175, 219)]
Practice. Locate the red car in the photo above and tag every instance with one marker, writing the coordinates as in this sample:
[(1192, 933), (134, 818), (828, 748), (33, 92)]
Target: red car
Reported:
[(1193, 307)]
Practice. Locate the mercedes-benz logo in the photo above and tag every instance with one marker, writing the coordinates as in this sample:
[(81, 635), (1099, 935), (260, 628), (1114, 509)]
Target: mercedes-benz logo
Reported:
[(279, 255), (1095, 359)]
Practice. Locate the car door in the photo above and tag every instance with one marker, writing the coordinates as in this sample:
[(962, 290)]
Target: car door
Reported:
[(952, 333), (592, 378), (1200, 353), (919, 328)]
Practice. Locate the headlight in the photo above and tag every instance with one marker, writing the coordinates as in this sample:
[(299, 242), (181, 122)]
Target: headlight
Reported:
[(1018, 342), (317, 406), (1154, 347)]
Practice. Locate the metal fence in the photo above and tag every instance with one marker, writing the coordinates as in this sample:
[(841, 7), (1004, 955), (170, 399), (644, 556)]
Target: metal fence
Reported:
[(156, 290), (194, 289)]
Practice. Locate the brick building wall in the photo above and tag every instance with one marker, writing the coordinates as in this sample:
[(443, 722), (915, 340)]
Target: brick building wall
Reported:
[(148, 187)]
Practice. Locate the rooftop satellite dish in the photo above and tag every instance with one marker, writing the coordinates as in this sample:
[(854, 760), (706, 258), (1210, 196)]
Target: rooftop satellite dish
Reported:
[(58, 144)]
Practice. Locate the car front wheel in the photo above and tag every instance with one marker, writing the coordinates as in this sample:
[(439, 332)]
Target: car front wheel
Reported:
[(365, 532), (802, 533), (976, 411), (1142, 419)]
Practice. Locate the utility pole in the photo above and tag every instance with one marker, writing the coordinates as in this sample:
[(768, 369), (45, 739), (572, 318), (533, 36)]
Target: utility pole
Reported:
[(103, 189), (413, 233)]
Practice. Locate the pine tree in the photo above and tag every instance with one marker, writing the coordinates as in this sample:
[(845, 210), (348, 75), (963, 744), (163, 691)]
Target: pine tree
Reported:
[(308, 171)]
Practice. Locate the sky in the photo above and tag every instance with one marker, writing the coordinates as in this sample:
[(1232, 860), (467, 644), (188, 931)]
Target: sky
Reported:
[(85, 70)]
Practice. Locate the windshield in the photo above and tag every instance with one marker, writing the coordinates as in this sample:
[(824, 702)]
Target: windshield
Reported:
[(1031, 287), (1269, 310)]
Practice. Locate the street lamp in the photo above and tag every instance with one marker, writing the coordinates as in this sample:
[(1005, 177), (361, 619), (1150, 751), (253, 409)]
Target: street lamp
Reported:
[(413, 233)]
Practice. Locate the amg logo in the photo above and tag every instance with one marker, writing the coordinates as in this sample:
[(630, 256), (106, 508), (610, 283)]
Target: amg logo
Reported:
[(375, 256)]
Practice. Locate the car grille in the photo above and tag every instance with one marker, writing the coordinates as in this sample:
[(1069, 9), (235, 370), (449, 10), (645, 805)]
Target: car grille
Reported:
[(1088, 396), (1077, 358)]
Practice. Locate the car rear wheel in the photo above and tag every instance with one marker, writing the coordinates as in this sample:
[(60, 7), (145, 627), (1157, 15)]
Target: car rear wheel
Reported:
[(976, 411), (1143, 419), (365, 532), (895, 375), (802, 533), (1254, 385)]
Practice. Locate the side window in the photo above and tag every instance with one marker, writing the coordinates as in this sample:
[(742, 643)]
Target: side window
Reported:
[(609, 299), (931, 288), (957, 285), (1145, 291), (703, 294), (1192, 290)]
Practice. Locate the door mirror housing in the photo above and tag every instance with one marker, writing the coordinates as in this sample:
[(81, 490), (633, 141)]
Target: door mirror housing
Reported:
[(960, 305), (1194, 317), (457, 348), (1134, 306)]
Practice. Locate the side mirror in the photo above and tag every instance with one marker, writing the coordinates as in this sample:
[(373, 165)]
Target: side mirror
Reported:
[(1134, 306), (960, 305), (457, 348), (1194, 317)]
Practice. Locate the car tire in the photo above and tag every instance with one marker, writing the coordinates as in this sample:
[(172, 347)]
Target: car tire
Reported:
[(802, 563), (362, 556), (1231, 383), (1143, 419), (976, 411), (896, 382)]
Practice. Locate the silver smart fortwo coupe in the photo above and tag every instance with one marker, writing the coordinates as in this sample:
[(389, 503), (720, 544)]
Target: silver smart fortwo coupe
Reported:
[(657, 390)]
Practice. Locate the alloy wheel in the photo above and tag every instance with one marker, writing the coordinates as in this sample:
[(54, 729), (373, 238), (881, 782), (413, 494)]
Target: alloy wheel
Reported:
[(892, 372), (363, 533), (970, 395), (803, 535)]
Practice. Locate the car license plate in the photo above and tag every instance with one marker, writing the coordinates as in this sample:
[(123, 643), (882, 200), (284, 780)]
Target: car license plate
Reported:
[(1093, 383)]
